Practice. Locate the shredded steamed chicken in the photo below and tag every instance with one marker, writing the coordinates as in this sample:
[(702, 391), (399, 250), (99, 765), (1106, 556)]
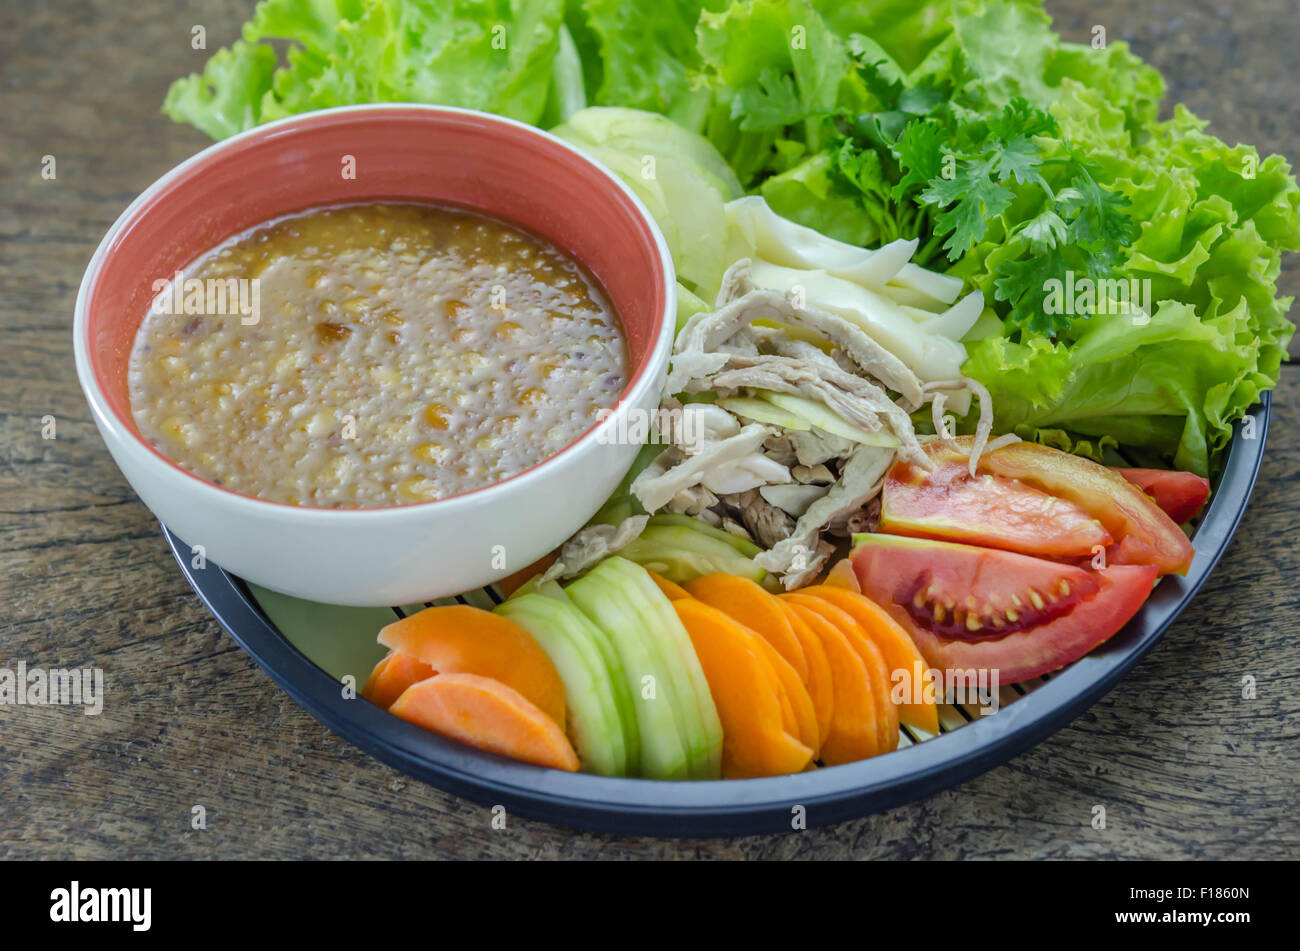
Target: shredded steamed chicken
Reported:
[(815, 355)]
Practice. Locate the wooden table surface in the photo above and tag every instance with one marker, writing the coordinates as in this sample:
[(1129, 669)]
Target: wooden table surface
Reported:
[(1184, 766)]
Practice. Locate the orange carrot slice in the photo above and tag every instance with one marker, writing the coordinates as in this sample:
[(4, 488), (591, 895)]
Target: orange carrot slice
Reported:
[(899, 650), (872, 659), (512, 583), (788, 722), (747, 602), (853, 732), (820, 683), (754, 740), (459, 639), (392, 676), (671, 589), (489, 715), (805, 716)]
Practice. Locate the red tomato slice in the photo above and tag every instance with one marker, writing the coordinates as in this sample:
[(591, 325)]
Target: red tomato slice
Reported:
[(1180, 495), (1054, 617), (1144, 534), (947, 503)]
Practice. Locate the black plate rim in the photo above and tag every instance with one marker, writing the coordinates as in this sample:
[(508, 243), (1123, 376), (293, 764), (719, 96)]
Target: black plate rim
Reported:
[(734, 807)]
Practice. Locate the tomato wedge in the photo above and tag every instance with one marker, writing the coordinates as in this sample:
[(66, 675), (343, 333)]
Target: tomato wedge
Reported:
[(967, 607), (1180, 495), (1144, 535), (964, 592), (948, 503)]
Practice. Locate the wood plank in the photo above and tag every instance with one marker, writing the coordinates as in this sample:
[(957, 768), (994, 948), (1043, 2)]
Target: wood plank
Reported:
[(1185, 767)]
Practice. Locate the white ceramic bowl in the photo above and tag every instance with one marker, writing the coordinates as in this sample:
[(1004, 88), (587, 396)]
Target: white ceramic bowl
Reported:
[(402, 554)]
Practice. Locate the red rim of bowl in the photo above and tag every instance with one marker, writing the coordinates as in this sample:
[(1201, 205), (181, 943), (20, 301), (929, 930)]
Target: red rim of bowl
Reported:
[(88, 365)]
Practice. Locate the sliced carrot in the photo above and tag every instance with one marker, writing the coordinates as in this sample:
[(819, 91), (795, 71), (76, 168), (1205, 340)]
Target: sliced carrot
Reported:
[(788, 721), (671, 589), (489, 715), (758, 610), (392, 676), (754, 739), (512, 583), (900, 652), (820, 683), (805, 717), (872, 659), (853, 732), (459, 639)]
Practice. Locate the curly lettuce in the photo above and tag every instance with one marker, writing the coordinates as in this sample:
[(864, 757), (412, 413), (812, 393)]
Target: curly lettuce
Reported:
[(494, 55), (1214, 222)]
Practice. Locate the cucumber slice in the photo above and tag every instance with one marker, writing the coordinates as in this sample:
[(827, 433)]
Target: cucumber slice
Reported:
[(683, 554), (761, 411), (650, 190), (678, 690), (619, 682), (528, 587), (663, 750), (594, 723), (637, 131), (821, 416), (696, 203), (746, 548), (692, 689)]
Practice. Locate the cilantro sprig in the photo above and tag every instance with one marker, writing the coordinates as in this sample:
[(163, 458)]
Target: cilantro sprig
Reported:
[(929, 168)]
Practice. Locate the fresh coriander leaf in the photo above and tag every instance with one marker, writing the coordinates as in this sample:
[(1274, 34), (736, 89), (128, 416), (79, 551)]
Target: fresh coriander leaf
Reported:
[(1102, 263), (1044, 231), (885, 88), (919, 151), (1023, 284), (881, 129), (1018, 159), (770, 105), (863, 169), (921, 100), (1097, 214), (977, 198), (1018, 119)]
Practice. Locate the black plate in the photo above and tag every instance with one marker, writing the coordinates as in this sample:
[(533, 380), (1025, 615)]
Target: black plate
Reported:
[(734, 807)]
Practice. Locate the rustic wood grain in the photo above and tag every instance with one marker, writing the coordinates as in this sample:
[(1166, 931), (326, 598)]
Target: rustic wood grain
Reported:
[(1183, 765)]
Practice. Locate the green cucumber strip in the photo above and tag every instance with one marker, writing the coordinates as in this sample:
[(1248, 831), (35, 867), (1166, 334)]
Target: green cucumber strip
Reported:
[(618, 676), (682, 554), (594, 721), (663, 755), (761, 411), (686, 712), (821, 416), (689, 681), (528, 587), (673, 520)]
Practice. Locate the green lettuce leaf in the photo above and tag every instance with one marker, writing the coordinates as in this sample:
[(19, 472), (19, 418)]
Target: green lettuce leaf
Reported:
[(778, 74), (227, 96), (344, 52), (1171, 386), (645, 54)]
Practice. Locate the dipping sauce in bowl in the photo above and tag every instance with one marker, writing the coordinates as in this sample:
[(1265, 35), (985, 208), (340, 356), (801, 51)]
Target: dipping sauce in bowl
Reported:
[(373, 355), (393, 541)]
